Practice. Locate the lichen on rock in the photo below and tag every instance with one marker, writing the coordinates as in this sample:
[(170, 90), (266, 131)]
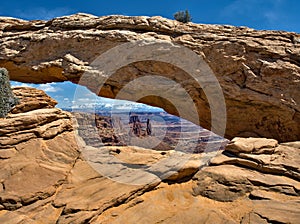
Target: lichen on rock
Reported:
[(7, 99)]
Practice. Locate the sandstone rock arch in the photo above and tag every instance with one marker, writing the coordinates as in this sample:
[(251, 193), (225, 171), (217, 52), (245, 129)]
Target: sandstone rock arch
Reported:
[(259, 71)]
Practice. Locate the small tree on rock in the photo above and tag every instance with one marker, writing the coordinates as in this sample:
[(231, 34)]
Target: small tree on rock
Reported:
[(183, 16), (7, 99)]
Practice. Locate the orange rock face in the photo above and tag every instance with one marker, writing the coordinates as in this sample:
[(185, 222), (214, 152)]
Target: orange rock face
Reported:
[(50, 175), (258, 71), (31, 99)]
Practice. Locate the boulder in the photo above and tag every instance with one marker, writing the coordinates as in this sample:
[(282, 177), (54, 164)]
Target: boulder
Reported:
[(31, 99), (267, 184), (264, 155), (252, 146)]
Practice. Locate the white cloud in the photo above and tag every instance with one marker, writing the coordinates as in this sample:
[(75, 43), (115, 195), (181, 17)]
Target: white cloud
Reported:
[(20, 84), (85, 100), (253, 8), (49, 87), (89, 94), (42, 13), (266, 14), (271, 16)]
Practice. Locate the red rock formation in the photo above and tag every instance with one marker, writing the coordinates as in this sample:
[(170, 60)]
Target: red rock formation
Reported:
[(254, 68), (46, 177)]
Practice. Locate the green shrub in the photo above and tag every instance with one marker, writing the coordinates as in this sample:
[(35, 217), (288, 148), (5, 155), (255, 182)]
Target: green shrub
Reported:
[(183, 16), (7, 99)]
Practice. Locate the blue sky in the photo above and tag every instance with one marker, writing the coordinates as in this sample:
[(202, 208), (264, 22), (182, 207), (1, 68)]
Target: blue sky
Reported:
[(69, 95), (258, 14)]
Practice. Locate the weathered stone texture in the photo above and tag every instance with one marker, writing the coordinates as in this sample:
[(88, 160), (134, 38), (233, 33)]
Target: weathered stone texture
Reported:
[(257, 70)]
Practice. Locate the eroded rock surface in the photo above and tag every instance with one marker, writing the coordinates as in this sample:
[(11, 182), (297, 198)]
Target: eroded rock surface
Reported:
[(46, 177), (37, 152), (220, 193), (269, 180), (254, 68), (31, 99)]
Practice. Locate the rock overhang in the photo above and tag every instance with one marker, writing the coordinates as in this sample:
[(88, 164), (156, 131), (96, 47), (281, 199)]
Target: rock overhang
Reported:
[(253, 67)]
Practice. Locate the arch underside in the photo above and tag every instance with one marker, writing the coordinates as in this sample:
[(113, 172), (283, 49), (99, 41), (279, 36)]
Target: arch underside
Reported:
[(260, 84)]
